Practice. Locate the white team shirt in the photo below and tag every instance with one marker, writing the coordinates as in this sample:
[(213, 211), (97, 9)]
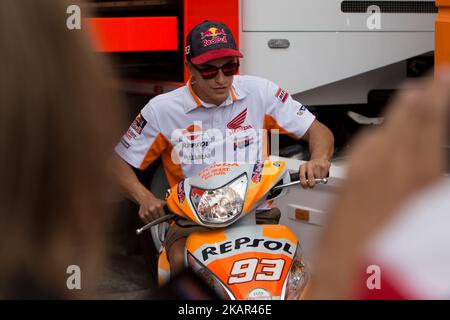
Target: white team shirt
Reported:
[(190, 134)]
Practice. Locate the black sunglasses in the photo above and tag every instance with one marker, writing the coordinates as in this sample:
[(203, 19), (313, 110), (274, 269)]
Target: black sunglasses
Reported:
[(210, 72)]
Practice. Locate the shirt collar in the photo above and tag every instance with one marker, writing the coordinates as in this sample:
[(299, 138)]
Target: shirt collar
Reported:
[(192, 101)]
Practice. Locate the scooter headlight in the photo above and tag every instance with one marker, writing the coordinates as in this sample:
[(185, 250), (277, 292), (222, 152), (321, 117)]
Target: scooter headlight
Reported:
[(298, 276), (220, 205)]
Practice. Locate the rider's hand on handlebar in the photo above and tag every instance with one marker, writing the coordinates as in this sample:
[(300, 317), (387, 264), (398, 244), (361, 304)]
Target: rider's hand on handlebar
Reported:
[(313, 169), (151, 208)]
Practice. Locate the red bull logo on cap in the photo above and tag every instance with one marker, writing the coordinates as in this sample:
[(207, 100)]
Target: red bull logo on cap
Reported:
[(212, 36), (213, 32)]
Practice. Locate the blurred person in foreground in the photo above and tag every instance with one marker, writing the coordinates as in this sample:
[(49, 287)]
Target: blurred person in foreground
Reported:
[(393, 211), (58, 121)]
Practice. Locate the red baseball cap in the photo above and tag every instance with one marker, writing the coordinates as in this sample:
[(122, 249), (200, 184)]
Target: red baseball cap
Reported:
[(210, 40)]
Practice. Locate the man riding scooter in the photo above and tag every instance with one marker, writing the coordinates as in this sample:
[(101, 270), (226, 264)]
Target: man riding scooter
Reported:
[(175, 126)]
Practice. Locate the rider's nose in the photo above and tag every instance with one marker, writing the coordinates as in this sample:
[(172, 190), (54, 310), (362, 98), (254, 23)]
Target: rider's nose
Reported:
[(220, 78)]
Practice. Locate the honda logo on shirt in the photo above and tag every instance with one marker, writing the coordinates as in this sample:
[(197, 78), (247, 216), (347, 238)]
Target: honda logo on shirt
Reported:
[(236, 123)]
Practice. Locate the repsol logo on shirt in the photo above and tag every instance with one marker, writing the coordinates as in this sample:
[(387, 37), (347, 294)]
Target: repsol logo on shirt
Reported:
[(202, 144), (245, 242)]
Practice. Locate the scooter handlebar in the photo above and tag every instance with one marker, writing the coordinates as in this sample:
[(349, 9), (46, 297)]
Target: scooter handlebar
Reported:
[(168, 216), (295, 176)]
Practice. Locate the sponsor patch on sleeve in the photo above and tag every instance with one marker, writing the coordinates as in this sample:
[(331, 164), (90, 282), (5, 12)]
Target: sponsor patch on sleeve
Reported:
[(138, 124), (125, 143), (282, 95), (301, 110)]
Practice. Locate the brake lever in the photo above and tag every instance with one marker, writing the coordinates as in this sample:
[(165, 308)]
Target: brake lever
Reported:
[(321, 180), (165, 218)]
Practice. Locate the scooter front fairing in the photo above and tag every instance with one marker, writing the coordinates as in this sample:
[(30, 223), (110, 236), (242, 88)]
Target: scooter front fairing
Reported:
[(249, 262)]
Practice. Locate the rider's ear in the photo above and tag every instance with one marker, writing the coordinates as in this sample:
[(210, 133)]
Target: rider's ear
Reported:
[(191, 71), (190, 68)]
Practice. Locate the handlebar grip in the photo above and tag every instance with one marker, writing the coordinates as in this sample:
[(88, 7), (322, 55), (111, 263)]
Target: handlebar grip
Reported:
[(295, 176), (162, 219)]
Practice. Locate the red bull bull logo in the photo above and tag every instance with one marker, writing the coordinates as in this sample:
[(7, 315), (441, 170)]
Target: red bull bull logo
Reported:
[(213, 32), (212, 36)]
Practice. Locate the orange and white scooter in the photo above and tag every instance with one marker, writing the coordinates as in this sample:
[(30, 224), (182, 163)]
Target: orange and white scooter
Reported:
[(239, 259)]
